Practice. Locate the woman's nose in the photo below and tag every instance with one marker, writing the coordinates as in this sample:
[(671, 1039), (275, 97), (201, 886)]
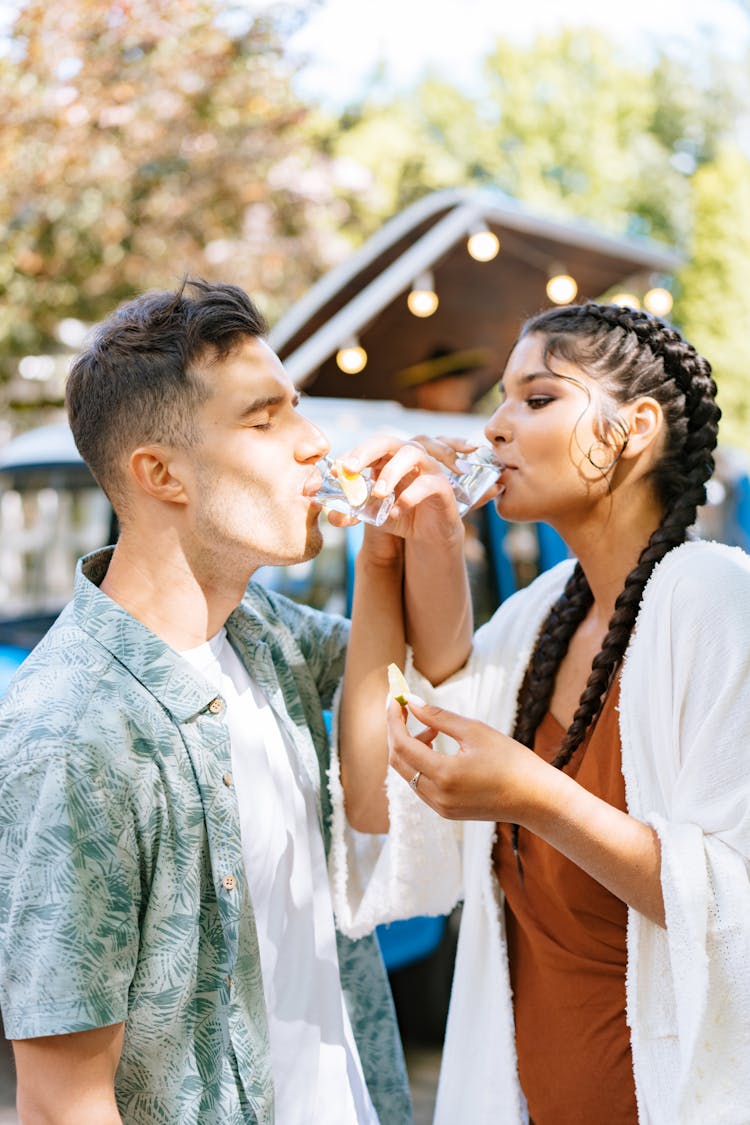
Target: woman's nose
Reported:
[(496, 429)]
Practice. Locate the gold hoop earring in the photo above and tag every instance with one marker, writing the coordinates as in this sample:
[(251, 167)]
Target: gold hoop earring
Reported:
[(611, 463)]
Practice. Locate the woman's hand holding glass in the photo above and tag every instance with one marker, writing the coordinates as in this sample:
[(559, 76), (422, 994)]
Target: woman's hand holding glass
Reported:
[(419, 497), (472, 470)]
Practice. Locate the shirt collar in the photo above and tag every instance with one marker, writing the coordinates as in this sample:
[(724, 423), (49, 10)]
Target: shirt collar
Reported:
[(161, 670)]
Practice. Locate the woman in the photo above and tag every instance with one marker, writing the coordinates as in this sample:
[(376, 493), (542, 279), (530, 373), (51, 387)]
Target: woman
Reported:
[(605, 938)]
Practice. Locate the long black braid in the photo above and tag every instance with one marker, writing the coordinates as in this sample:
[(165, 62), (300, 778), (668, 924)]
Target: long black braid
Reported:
[(631, 354)]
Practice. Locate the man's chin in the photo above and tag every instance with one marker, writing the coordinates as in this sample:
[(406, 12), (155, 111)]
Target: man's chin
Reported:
[(314, 543), (312, 546)]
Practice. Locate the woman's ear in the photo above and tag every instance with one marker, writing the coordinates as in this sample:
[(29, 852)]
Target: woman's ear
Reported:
[(152, 467), (645, 421)]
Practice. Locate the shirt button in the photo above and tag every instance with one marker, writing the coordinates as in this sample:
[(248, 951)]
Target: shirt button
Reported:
[(227, 779), (229, 882), (216, 705)]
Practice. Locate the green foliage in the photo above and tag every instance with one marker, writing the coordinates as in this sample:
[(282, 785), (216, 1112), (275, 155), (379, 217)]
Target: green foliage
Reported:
[(141, 141), (714, 306), (567, 125)]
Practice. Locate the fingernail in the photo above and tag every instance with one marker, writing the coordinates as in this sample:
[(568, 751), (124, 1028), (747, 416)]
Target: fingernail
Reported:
[(412, 698)]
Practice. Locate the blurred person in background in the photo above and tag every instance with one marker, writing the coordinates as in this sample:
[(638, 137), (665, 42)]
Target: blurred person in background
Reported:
[(448, 379)]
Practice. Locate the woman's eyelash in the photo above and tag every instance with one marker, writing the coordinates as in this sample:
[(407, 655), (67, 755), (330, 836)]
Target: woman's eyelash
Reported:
[(538, 401)]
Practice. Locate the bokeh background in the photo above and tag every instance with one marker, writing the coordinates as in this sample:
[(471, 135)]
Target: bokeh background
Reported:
[(261, 143)]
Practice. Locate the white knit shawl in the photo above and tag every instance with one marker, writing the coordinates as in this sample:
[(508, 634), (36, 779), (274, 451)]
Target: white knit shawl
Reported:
[(685, 730)]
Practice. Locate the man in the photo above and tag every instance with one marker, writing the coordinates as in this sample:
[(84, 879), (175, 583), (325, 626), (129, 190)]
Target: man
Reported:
[(168, 949)]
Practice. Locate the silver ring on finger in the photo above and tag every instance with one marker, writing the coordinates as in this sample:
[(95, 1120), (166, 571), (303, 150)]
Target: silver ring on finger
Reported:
[(415, 780)]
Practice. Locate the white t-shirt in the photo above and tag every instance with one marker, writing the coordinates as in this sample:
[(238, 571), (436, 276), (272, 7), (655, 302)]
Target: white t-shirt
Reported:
[(315, 1064)]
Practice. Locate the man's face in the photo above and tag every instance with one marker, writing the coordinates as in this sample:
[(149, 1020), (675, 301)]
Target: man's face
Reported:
[(251, 476)]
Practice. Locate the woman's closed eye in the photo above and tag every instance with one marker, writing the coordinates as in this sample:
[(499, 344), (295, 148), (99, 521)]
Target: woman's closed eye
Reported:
[(537, 402)]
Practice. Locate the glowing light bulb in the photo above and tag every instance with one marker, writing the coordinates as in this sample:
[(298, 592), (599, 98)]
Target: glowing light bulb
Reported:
[(483, 245), (628, 300), (658, 301), (562, 289), (422, 302), (422, 299), (351, 358)]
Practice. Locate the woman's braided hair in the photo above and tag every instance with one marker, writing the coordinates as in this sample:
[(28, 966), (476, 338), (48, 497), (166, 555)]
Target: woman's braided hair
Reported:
[(630, 354)]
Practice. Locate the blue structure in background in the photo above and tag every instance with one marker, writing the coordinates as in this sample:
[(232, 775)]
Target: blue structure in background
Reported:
[(552, 548), (401, 943), (354, 537), (11, 657), (742, 511), (497, 531)]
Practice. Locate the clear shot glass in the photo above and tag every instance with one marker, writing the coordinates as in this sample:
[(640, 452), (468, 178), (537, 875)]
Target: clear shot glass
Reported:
[(477, 472), (352, 495)]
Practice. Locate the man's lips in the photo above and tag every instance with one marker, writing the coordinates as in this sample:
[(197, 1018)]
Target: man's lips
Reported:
[(313, 484)]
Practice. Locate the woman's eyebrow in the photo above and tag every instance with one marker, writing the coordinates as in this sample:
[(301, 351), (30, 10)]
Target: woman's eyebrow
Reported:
[(529, 377)]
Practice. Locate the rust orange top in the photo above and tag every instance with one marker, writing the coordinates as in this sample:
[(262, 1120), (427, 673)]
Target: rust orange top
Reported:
[(567, 951)]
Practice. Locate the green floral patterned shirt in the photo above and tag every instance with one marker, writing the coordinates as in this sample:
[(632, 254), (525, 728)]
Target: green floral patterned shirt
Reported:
[(122, 889)]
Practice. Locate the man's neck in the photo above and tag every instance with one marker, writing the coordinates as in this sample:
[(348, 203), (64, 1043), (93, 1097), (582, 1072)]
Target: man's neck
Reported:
[(163, 590)]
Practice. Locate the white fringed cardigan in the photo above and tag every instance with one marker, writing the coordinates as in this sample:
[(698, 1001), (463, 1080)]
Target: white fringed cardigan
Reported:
[(685, 730)]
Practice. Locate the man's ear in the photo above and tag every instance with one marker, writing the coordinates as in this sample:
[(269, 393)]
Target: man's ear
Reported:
[(645, 419), (153, 468)]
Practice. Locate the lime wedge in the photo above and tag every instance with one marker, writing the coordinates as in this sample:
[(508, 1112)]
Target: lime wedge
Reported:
[(397, 685), (354, 486)]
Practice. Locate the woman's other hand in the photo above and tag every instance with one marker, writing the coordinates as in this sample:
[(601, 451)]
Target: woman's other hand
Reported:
[(491, 777)]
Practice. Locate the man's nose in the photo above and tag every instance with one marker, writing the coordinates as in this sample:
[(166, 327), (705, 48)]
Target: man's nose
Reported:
[(313, 443)]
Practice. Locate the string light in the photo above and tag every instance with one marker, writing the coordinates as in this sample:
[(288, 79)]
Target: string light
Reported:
[(627, 300), (561, 287), (422, 299), (658, 301), (351, 358), (483, 244)]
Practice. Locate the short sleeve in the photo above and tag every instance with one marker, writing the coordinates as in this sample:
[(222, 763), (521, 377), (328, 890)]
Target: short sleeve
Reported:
[(69, 894)]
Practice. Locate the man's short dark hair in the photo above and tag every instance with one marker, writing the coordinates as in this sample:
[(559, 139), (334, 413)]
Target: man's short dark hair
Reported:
[(138, 382)]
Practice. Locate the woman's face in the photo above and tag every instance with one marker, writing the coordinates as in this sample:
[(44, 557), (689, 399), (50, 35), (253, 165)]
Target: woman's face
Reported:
[(544, 432)]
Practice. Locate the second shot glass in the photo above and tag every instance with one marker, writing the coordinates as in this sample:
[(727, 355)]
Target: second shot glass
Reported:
[(478, 471)]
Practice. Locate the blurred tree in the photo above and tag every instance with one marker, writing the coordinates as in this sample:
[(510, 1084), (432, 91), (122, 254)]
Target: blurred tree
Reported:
[(568, 125), (714, 303), (141, 139)]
